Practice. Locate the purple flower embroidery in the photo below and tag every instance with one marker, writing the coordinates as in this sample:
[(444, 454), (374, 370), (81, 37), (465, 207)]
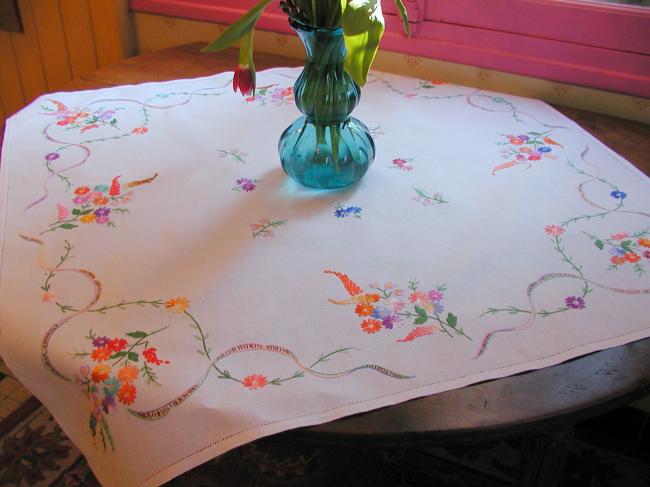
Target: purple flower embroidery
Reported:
[(246, 184), (575, 302), (435, 295), (102, 214), (108, 404), (100, 341), (389, 321), (52, 156)]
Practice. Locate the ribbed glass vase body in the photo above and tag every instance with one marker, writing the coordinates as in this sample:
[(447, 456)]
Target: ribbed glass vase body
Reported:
[(325, 148)]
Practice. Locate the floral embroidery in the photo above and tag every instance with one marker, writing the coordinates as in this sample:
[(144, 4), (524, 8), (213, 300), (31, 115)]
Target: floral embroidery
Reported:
[(424, 197), (387, 308), (272, 94), (97, 205), (349, 211), (246, 184), (402, 163), (83, 119), (625, 248), (177, 305), (263, 227), (554, 230), (112, 379), (254, 381), (140, 130), (574, 302), (236, 154), (618, 195), (525, 149), (114, 366)]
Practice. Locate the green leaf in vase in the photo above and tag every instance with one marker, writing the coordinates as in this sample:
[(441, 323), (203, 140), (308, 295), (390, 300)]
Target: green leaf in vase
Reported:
[(236, 31), (363, 26)]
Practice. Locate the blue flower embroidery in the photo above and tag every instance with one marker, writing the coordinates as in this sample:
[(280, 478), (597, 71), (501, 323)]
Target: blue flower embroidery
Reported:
[(341, 212), (619, 195)]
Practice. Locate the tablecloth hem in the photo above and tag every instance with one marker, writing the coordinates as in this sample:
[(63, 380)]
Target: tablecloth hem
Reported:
[(253, 433)]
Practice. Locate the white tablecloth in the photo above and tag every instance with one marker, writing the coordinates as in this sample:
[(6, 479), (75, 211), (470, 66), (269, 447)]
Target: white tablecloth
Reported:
[(169, 294)]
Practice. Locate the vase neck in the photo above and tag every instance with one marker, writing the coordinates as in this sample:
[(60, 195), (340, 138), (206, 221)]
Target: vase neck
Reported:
[(323, 46)]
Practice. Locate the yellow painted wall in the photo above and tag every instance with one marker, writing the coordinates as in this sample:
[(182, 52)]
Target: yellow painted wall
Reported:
[(156, 32), (62, 40)]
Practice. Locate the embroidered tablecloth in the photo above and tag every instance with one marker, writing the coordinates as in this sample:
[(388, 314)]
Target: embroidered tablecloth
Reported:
[(169, 294)]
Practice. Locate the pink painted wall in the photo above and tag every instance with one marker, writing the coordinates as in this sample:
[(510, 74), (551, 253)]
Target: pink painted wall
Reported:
[(578, 42)]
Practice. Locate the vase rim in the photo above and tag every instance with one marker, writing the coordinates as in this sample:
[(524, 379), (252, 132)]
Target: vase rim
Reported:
[(297, 25)]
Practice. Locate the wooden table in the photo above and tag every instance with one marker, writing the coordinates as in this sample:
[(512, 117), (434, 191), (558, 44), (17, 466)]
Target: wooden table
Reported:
[(541, 405)]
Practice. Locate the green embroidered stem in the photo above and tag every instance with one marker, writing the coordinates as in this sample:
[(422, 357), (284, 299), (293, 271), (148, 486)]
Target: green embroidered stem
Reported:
[(223, 374), (68, 248), (511, 310), (267, 226), (325, 358)]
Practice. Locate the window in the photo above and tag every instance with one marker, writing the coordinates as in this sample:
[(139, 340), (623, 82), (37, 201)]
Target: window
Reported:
[(597, 44)]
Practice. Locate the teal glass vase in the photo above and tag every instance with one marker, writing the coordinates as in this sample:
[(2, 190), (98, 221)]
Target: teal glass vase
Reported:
[(325, 148)]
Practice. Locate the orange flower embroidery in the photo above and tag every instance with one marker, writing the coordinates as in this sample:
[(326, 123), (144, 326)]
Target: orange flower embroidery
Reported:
[(126, 394), (101, 354), (177, 305), (644, 242), (82, 190), (371, 326), (127, 374), (617, 260), (100, 201), (254, 381), (87, 218), (632, 257), (364, 309), (100, 373)]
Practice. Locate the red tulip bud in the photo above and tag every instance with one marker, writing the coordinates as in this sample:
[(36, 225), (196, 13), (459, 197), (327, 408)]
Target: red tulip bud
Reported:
[(243, 80)]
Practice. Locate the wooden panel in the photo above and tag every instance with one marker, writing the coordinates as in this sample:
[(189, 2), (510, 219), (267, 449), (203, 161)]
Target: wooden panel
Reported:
[(11, 91), (108, 45), (28, 54), (51, 40), (79, 36)]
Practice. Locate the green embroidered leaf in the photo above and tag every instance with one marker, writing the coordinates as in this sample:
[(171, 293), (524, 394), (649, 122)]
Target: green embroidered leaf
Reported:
[(133, 356), (599, 244), (239, 29), (452, 320), (137, 334), (85, 212), (420, 311), (68, 226), (75, 211), (625, 245), (118, 355), (420, 320)]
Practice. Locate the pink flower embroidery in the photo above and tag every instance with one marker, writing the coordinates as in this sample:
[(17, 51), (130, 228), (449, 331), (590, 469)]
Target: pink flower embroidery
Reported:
[(402, 164), (620, 236), (140, 130), (62, 211), (554, 230)]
